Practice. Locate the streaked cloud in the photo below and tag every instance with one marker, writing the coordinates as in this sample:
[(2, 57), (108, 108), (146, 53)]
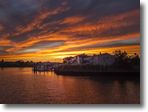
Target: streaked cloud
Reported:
[(47, 30)]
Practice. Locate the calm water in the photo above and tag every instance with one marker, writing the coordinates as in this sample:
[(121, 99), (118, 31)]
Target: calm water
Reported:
[(21, 85)]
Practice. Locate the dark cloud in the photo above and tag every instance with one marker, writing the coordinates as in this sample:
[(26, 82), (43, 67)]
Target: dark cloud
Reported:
[(33, 16), (47, 44), (18, 8), (1, 6), (127, 42), (120, 31), (111, 44)]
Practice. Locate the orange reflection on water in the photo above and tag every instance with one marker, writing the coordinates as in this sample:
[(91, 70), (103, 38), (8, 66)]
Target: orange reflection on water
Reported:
[(22, 85)]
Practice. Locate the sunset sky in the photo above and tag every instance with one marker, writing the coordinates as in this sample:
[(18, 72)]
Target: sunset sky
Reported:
[(49, 30)]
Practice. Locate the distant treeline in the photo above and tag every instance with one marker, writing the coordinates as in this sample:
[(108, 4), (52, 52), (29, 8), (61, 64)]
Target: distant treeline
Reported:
[(16, 64)]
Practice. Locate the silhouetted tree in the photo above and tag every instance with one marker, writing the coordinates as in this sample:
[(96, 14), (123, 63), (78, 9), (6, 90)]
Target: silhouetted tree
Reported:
[(135, 60), (120, 56), (122, 59)]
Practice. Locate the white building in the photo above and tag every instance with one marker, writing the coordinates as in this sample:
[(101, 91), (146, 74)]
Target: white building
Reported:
[(104, 59), (82, 59), (88, 60)]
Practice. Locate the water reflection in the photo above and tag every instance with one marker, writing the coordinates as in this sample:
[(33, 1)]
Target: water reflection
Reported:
[(2, 68), (24, 86)]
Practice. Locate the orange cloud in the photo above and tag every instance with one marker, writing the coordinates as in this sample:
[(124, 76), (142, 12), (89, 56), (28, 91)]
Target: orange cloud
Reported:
[(80, 43), (5, 35), (38, 20), (129, 49), (107, 22), (64, 3), (60, 55), (89, 28), (73, 20), (72, 43), (5, 42), (34, 40)]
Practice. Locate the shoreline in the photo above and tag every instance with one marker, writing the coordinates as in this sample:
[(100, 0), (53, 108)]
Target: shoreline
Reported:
[(108, 74)]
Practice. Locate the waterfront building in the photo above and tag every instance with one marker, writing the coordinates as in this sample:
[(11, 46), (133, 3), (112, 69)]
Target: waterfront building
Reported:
[(79, 59), (104, 59), (82, 59)]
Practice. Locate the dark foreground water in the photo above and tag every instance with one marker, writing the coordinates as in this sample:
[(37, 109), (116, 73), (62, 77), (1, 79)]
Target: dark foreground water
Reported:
[(22, 85)]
